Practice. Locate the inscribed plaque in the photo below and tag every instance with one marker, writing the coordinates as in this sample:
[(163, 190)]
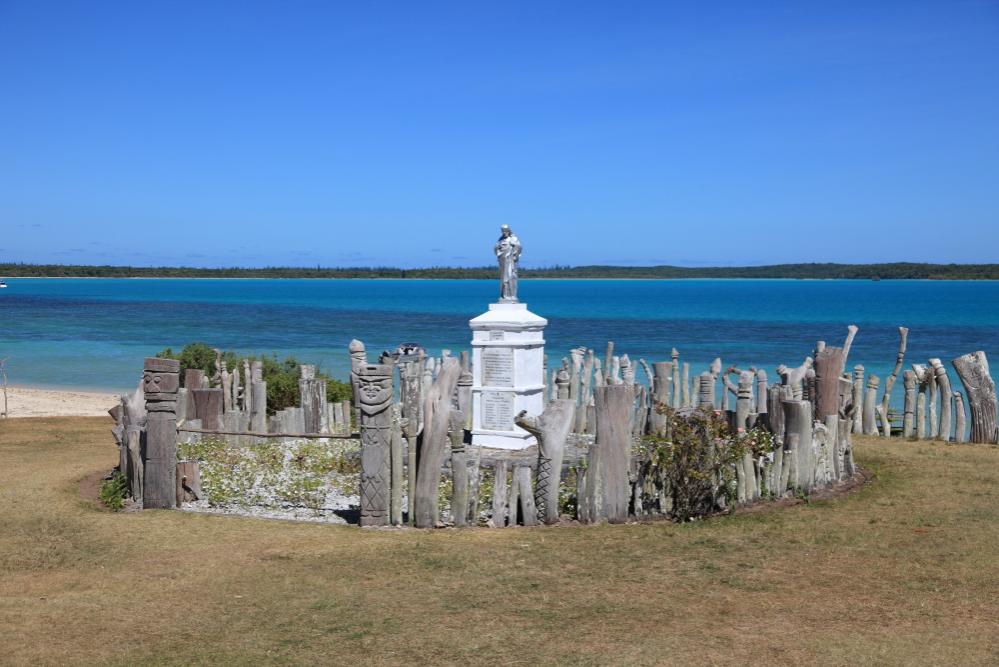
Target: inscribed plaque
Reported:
[(497, 367), (497, 410)]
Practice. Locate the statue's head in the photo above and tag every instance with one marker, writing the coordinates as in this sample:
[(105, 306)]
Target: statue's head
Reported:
[(505, 230)]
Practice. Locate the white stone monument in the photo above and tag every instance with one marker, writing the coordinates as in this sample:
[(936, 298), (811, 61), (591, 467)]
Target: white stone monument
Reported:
[(508, 350)]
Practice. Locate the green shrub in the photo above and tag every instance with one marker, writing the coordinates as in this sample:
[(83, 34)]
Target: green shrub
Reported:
[(691, 466), (114, 491)]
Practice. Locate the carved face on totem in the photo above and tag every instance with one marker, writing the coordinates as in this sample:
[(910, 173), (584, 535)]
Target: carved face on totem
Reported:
[(161, 376), (373, 388)]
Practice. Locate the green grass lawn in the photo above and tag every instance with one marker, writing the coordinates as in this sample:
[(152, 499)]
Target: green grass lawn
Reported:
[(903, 571)]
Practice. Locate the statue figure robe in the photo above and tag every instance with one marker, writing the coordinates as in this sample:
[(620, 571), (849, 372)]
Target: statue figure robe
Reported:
[(508, 251)]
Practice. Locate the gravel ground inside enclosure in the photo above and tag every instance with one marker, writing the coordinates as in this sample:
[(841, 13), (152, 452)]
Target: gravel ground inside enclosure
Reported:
[(299, 480), (903, 571)]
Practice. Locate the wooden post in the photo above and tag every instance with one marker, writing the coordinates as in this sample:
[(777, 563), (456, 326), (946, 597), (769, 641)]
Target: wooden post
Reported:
[(373, 397), (613, 450), (609, 361), (798, 423), (577, 355), (586, 392), (829, 365), (660, 397), (973, 369), (903, 334), (921, 414), (675, 367), (208, 408), (513, 502), (858, 399), (961, 432), (685, 386), (396, 465), (762, 406), (459, 468), (498, 519), (161, 380), (436, 408), (528, 511), (870, 405), (946, 399), (465, 381), (931, 386), (706, 392), (744, 401), (908, 424), (411, 391), (551, 429), (312, 398)]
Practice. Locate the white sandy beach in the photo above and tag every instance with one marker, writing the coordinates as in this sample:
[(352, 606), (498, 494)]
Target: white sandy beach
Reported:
[(27, 402)]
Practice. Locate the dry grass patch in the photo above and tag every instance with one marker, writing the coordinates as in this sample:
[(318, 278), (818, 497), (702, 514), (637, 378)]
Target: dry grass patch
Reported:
[(904, 571)]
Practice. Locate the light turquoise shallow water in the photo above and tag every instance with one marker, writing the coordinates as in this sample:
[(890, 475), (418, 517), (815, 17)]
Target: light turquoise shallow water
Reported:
[(94, 333)]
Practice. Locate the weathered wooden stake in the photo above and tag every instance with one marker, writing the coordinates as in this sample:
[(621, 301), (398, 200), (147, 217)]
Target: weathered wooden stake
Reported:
[(973, 369), (613, 447), (161, 379), (551, 429), (459, 469), (946, 399), (903, 335), (436, 409)]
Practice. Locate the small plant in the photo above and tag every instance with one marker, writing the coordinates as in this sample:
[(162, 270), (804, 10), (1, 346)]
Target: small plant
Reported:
[(113, 491)]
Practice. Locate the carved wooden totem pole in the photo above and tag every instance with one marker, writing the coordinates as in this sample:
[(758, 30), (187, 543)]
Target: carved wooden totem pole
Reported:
[(160, 381), (373, 398)]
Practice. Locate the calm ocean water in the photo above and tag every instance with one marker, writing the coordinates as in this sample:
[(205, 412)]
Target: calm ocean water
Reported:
[(94, 333)]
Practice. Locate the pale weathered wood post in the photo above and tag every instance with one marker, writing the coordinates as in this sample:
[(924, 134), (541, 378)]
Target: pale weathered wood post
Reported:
[(858, 399), (312, 398), (946, 399), (160, 380), (973, 369), (436, 409), (798, 434), (373, 399), (961, 430), (870, 405), (551, 430), (909, 407), (829, 365), (459, 468), (613, 450), (903, 335)]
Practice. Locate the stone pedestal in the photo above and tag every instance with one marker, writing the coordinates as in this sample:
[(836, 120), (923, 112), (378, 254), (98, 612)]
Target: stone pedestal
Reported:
[(508, 349)]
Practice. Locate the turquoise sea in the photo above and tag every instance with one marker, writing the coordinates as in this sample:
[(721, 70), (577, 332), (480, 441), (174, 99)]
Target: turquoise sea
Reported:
[(94, 333)]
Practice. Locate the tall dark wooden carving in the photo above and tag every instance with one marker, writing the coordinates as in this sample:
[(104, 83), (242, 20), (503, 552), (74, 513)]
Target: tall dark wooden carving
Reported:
[(160, 382)]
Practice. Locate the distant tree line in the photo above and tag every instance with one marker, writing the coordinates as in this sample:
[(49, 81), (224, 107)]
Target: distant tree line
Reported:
[(897, 270)]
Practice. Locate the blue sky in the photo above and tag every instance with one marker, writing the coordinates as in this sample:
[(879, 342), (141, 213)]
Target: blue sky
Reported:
[(345, 134)]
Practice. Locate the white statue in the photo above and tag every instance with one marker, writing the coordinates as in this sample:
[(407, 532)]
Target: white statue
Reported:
[(508, 253)]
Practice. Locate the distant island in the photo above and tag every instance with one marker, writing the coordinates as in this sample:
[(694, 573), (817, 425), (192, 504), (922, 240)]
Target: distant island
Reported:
[(897, 270)]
